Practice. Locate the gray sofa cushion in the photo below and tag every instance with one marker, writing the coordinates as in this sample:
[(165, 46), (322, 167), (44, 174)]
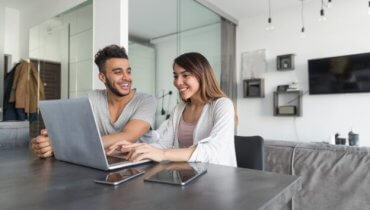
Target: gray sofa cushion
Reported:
[(14, 134), (333, 177)]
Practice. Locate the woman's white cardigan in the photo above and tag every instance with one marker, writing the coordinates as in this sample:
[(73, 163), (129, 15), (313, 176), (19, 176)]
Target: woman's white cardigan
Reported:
[(213, 134)]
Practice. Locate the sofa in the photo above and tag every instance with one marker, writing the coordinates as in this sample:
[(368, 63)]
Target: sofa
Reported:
[(14, 134), (332, 176)]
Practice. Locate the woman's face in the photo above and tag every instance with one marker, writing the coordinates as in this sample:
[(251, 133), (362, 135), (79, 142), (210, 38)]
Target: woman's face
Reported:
[(185, 82)]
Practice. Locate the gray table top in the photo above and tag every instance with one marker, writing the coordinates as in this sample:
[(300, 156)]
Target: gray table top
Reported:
[(27, 182)]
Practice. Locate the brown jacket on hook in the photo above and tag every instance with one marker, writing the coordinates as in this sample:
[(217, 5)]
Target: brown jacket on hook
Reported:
[(27, 88)]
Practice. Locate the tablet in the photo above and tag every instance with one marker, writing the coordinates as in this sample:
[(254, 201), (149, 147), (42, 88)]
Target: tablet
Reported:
[(177, 173)]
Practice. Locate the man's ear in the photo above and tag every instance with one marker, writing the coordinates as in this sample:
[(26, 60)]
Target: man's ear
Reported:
[(102, 77)]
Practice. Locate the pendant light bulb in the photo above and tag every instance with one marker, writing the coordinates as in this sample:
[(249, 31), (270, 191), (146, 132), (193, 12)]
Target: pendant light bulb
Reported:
[(322, 15), (303, 34), (269, 26)]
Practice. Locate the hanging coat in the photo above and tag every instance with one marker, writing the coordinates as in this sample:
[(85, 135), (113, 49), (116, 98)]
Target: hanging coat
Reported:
[(27, 88)]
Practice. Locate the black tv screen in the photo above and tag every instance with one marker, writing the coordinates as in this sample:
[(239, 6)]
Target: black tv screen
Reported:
[(342, 74)]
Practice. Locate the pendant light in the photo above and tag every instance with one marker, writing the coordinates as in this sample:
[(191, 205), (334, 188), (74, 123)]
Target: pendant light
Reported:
[(269, 26), (303, 30), (322, 12)]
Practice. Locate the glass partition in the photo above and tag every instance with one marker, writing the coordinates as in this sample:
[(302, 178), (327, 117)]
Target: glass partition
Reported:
[(171, 28), (142, 61), (61, 50), (2, 63), (199, 30), (154, 24)]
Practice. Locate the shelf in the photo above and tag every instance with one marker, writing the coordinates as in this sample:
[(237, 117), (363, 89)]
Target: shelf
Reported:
[(285, 62), (253, 88), (287, 103)]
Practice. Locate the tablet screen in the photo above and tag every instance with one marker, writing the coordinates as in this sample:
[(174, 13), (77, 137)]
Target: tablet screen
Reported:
[(177, 173)]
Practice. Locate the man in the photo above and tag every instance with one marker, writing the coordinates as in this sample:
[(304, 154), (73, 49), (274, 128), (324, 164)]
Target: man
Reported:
[(122, 113)]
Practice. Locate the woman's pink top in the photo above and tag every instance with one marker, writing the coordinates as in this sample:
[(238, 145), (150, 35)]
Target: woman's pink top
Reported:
[(185, 133)]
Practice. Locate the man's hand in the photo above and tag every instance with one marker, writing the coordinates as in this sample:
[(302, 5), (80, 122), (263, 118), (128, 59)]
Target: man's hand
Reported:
[(116, 147), (41, 145)]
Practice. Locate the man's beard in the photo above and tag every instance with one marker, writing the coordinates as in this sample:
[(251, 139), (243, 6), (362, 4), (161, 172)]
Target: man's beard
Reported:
[(113, 89)]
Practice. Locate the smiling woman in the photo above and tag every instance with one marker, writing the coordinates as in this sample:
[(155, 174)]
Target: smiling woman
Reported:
[(201, 128)]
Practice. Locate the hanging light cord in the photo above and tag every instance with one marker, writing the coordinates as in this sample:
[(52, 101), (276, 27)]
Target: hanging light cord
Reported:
[(325, 4), (269, 1), (302, 16)]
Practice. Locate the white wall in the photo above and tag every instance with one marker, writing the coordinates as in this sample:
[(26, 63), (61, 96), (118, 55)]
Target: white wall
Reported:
[(345, 32), (205, 40), (11, 45)]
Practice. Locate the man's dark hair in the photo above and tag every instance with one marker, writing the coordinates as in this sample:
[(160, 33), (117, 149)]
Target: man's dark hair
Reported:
[(111, 51)]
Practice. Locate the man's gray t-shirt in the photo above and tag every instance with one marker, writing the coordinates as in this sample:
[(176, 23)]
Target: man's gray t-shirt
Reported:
[(141, 107)]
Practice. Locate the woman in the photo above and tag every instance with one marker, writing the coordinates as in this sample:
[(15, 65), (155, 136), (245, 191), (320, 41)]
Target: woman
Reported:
[(201, 128)]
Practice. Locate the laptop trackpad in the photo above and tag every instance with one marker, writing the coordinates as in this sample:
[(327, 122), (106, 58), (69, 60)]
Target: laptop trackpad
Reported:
[(116, 159)]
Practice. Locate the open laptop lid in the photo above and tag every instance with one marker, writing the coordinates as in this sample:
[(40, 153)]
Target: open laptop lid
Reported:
[(73, 132)]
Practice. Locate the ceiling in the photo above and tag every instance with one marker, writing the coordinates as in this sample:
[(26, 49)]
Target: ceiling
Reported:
[(240, 9), (20, 5)]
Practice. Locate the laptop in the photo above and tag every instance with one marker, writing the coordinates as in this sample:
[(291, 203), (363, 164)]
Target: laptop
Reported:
[(75, 136)]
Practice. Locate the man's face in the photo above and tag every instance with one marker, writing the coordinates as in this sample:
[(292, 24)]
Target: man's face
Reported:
[(117, 77)]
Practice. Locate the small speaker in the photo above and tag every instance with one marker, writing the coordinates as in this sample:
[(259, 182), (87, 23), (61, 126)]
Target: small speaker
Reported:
[(287, 110)]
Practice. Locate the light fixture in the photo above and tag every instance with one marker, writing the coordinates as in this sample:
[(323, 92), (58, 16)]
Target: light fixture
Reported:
[(322, 12), (368, 6), (269, 26), (303, 35)]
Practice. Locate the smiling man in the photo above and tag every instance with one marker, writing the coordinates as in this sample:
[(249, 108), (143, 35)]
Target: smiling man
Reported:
[(122, 113)]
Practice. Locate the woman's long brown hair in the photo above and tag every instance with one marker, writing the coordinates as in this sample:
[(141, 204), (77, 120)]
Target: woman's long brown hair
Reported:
[(199, 66)]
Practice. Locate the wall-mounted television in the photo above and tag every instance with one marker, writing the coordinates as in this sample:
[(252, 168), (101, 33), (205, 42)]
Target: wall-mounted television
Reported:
[(341, 74)]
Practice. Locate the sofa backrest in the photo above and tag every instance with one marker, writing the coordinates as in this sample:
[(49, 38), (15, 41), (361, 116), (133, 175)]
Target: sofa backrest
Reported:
[(14, 134), (333, 177)]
